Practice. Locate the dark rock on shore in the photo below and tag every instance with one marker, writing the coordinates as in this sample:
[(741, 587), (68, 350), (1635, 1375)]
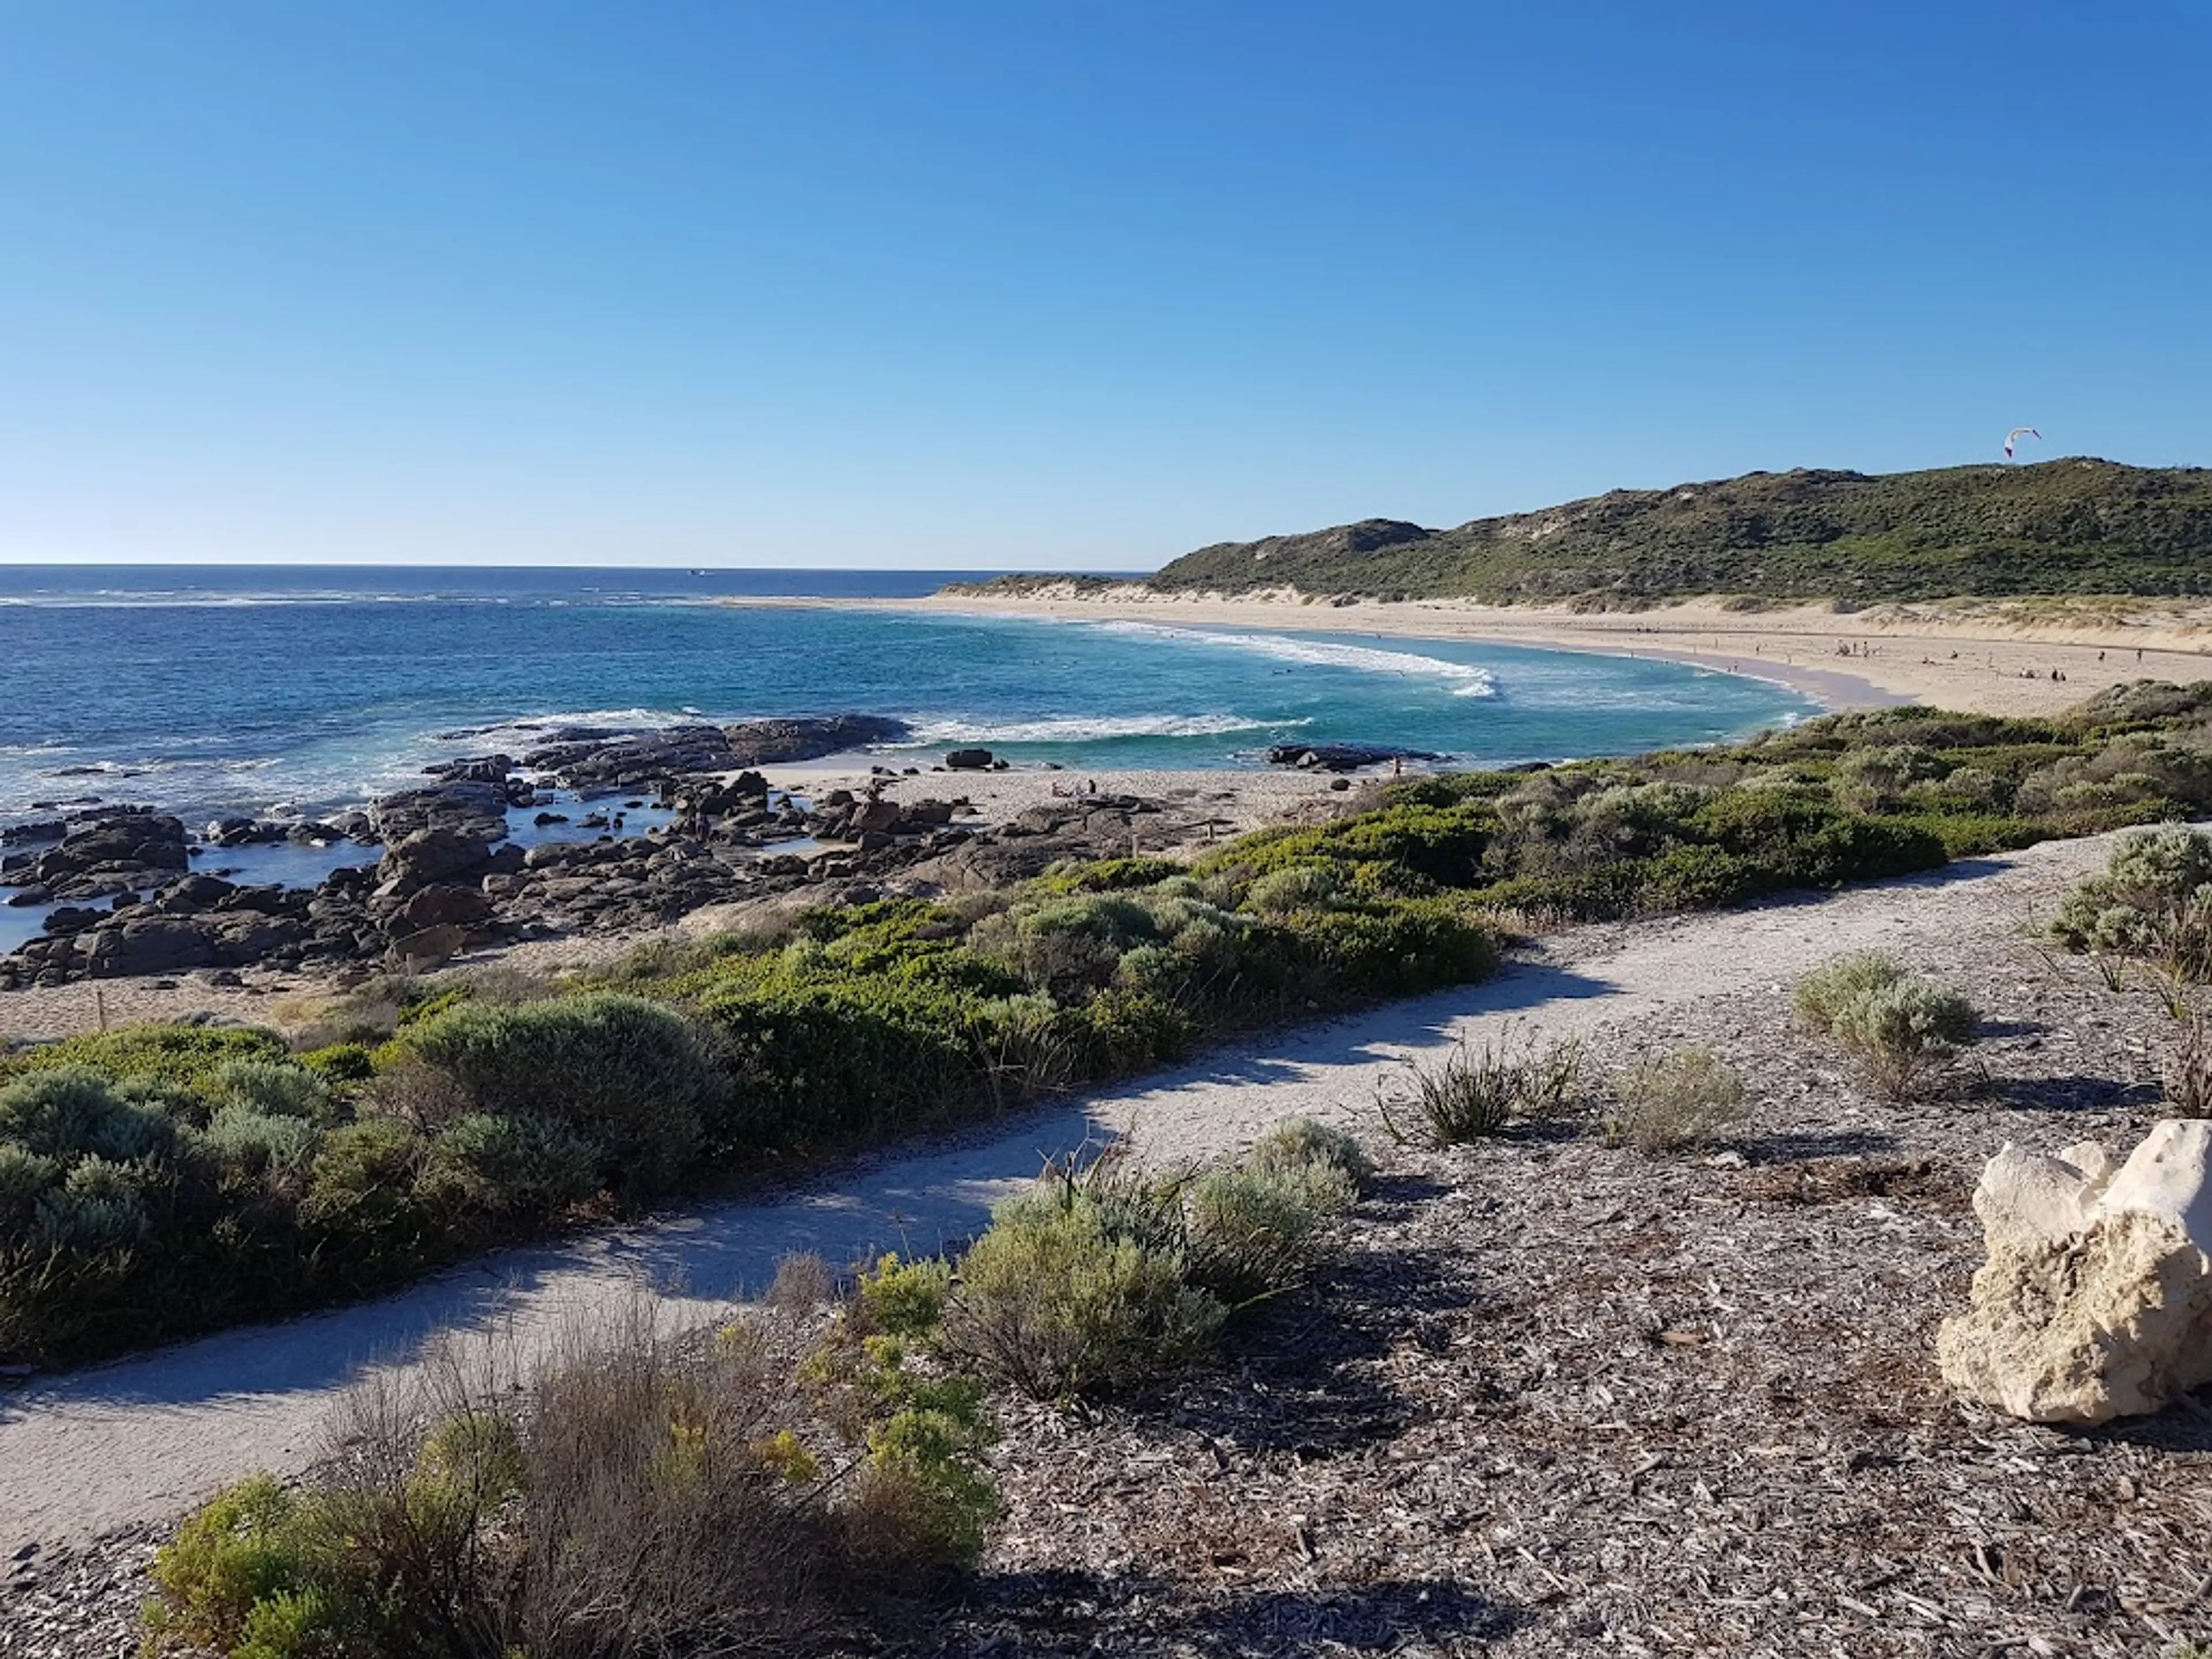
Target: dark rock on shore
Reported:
[(779, 742), (439, 854), (120, 851), (603, 761), (465, 806), (969, 760), (482, 769), (1343, 757)]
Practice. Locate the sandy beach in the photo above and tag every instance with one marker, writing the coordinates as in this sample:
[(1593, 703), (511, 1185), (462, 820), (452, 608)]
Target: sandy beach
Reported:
[(1983, 657)]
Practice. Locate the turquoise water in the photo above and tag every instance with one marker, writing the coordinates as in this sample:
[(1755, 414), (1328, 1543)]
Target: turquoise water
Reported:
[(260, 690)]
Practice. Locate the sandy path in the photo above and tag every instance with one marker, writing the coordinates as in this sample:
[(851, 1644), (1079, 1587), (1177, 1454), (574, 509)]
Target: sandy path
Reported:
[(141, 1438), (1983, 657)]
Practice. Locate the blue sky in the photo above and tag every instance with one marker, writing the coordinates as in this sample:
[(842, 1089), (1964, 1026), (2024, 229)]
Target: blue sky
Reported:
[(1058, 284)]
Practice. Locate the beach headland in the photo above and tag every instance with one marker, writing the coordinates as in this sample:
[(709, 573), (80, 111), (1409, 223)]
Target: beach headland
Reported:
[(1994, 657)]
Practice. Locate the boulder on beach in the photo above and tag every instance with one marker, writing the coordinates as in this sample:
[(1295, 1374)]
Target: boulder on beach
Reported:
[(433, 906), (2096, 1300), (1343, 757), (969, 760), (156, 945)]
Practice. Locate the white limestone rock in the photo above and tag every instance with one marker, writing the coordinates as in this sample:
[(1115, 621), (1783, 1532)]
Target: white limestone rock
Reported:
[(2096, 1301)]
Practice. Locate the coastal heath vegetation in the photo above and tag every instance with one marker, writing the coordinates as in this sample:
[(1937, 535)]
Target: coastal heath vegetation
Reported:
[(2071, 526), (788, 1484), (161, 1181)]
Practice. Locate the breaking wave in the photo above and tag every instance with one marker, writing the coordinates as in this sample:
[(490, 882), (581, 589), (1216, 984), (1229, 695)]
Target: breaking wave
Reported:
[(1466, 680), (1082, 729)]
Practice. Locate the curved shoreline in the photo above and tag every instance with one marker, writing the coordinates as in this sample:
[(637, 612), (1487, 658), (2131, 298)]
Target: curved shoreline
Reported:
[(1979, 661)]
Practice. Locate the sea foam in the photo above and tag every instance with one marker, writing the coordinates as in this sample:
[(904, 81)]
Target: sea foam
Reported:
[(1468, 680), (1075, 728)]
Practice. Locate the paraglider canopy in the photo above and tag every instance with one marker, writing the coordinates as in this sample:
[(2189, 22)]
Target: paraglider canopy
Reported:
[(2016, 434)]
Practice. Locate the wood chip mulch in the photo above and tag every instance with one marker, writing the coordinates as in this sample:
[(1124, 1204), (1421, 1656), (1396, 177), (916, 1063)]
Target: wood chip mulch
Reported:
[(1559, 1398)]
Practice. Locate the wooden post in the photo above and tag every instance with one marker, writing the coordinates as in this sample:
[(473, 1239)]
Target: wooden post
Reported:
[(100, 1003)]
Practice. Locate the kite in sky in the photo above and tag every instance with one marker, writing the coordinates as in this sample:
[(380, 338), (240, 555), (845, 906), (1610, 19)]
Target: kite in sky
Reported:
[(2016, 434)]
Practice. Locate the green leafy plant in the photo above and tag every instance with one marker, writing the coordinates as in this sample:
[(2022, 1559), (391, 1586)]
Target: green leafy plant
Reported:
[(1902, 1028)]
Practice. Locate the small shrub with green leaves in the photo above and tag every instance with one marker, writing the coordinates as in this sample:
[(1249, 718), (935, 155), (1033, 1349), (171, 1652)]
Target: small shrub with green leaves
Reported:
[(1108, 1275), (1477, 1092), (494, 1164), (1253, 1230), (1297, 887), (1686, 1098), (630, 1076), (1904, 1032), (1823, 995), (2154, 901), (1304, 1140), (1057, 1300)]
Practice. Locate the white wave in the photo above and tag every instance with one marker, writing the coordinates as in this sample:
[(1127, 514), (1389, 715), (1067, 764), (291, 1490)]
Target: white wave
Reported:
[(1469, 681), (1080, 729), (196, 599), (482, 736)]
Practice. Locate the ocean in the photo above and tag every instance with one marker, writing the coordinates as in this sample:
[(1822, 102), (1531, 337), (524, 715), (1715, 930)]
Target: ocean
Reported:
[(279, 691)]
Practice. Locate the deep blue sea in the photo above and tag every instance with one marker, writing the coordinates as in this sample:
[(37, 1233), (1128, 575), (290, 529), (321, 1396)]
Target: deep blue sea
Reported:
[(269, 689)]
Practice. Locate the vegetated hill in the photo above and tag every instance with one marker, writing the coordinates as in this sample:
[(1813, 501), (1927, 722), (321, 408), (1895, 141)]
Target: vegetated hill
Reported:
[(2065, 526)]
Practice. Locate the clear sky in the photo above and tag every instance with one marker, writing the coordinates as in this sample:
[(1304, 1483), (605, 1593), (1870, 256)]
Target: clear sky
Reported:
[(1059, 284)]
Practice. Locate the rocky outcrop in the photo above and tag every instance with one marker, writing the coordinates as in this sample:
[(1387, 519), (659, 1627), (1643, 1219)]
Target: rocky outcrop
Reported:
[(466, 807), (779, 742), (2096, 1300), (428, 857), (121, 852), (600, 761), (1343, 757)]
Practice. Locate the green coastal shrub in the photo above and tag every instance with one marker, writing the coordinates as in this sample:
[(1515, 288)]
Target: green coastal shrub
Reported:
[(643, 1496), (1823, 995), (491, 1165), (1300, 1141), (629, 1077), (1903, 1031), (2154, 902), (1056, 1302), (72, 1112), (1901, 1028), (1102, 1279), (183, 1056)]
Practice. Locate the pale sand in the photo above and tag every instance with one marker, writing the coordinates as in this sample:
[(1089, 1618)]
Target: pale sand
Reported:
[(1975, 656)]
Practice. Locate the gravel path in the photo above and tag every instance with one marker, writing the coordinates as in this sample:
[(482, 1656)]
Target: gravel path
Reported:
[(103, 1449)]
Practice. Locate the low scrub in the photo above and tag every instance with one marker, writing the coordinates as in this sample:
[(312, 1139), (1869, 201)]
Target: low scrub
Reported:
[(1108, 1277), (1903, 1029), (1685, 1099), (643, 1496), (1479, 1090), (2152, 904), (432, 1117)]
